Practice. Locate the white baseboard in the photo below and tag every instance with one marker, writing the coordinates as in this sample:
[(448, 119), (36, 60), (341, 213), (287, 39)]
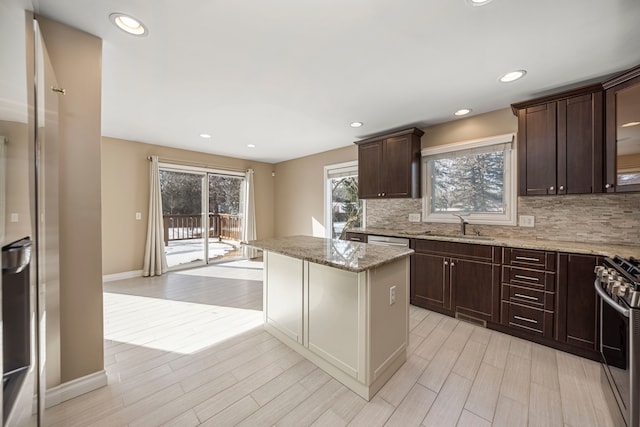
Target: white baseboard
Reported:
[(121, 276), (75, 388)]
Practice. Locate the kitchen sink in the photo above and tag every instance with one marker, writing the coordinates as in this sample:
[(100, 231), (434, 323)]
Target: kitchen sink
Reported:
[(458, 236), (454, 236)]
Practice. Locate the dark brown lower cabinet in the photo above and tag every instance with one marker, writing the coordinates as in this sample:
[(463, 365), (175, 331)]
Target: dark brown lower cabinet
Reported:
[(577, 313), (430, 285), (456, 278), (476, 289), (542, 296)]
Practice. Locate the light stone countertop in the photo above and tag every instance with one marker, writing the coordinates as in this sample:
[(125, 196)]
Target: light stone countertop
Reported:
[(589, 248), (342, 254)]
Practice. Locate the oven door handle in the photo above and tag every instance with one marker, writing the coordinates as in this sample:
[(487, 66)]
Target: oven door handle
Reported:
[(606, 298)]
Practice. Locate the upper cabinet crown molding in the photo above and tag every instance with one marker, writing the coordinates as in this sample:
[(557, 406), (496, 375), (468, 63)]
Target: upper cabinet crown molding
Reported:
[(622, 78), (582, 90), (389, 165)]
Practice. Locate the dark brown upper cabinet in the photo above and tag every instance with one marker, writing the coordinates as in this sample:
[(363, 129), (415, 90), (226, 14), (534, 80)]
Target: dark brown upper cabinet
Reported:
[(389, 165), (560, 143), (622, 152)]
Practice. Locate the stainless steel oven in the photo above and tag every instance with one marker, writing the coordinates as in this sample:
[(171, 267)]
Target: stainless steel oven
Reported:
[(619, 293)]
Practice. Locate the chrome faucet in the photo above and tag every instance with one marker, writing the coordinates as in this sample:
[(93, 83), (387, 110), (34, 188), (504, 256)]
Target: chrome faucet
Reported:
[(463, 224)]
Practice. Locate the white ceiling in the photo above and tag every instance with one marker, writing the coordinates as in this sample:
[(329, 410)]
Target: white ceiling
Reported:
[(290, 75)]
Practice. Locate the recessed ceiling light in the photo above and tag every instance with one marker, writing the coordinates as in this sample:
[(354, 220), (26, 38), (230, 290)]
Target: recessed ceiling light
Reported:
[(251, 146), (478, 2), (356, 124), (512, 76), (628, 125), (129, 24), (205, 135), (462, 112)]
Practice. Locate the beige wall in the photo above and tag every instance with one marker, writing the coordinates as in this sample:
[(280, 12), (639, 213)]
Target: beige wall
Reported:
[(125, 191), (494, 123), (77, 61), (299, 196)]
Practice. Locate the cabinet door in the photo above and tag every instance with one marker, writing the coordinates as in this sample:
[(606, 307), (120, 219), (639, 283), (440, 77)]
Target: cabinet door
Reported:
[(580, 144), (577, 301), (475, 287), (396, 169), (369, 161), (537, 150), (622, 157), (430, 281)]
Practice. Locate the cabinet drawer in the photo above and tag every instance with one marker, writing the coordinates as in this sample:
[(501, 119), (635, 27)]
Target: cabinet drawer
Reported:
[(529, 259), (525, 277), (356, 237), (528, 296), (528, 319)]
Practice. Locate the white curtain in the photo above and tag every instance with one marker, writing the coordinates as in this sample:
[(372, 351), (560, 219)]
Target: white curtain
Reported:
[(155, 260), (249, 229)]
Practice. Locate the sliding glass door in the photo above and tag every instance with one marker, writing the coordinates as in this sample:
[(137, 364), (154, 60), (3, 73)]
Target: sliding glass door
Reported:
[(225, 215), (194, 235), (184, 223)]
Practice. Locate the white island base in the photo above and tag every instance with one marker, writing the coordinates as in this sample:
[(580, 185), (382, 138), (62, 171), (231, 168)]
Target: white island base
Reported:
[(353, 325)]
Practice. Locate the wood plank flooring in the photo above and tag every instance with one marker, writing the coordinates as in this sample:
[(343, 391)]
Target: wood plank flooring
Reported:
[(188, 349)]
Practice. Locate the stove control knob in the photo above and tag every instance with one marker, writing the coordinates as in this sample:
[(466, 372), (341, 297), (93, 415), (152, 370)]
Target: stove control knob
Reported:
[(622, 290)]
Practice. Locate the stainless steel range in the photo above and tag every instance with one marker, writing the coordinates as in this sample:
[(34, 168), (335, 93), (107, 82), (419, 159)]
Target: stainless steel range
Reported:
[(618, 285)]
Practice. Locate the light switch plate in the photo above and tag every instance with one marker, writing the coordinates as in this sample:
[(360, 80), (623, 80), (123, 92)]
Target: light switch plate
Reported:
[(526, 220), (138, 216), (14, 217), (414, 217), (392, 295)]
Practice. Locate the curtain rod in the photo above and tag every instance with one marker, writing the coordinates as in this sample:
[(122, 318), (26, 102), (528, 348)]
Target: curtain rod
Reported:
[(200, 165)]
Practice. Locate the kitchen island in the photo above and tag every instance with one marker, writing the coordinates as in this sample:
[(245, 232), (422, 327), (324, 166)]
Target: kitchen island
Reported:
[(342, 305)]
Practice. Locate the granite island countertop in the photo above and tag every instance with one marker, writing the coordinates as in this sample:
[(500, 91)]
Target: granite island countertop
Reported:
[(588, 248), (342, 254)]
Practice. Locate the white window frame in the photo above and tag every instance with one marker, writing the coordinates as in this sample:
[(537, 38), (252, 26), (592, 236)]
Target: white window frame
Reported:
[(510, 181), (352, 165)]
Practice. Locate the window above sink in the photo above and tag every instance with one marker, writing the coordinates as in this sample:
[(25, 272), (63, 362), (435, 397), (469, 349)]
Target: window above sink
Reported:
[(475, 179)]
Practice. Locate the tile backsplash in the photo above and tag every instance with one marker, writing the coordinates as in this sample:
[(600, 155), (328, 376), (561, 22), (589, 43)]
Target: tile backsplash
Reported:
[(610, 218)]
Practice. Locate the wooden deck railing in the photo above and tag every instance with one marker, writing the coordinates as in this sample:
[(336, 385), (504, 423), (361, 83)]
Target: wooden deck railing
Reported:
[(184, 227)]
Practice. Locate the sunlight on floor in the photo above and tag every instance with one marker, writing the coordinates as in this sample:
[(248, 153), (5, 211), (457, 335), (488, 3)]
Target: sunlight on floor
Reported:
[(174, 326)]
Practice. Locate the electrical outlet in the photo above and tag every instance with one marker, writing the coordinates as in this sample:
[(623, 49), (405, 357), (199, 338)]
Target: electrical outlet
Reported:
[(392, 295), (14, 217), (414, 217), (138, 216), (526, 220)]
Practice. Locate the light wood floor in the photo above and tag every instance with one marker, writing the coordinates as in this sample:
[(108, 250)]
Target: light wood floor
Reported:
[(187, 349)]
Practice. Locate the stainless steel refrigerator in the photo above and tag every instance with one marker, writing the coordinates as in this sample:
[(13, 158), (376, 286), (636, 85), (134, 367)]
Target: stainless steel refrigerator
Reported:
[(27, 145)]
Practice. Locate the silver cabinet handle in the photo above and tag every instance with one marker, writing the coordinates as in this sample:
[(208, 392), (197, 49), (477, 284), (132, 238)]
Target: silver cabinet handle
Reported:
[(561, 188), (453, 264), (608, 186), (552, 188), (526, 258), (525, 319), (526, 297), (519, 276), (446, 262)]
